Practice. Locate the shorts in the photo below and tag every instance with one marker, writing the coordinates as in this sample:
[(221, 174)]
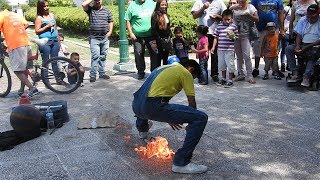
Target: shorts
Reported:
[(226, 60), (18, 58)]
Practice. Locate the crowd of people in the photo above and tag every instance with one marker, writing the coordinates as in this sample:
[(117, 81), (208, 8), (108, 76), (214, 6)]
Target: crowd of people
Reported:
[(226, 35)]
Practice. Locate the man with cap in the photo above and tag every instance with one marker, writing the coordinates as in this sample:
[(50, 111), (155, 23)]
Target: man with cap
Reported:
[(308, 36), (151, 101)]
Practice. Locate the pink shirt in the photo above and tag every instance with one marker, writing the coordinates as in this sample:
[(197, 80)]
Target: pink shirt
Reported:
[(202, 41)]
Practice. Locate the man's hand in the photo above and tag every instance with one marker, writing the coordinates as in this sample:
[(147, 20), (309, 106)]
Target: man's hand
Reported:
[(205, 5), (281, 34), (132, 36), (298, 50), (109, 34), (175, 126)]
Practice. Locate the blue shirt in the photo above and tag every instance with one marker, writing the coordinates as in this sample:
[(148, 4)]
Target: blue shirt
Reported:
[(50, 33), (309, 33), (267, 11)]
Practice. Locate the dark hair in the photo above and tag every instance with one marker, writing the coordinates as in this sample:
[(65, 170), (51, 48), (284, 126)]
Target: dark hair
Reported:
[(60, 35), (194, 64), (74, 54), (177, 29), (227, 12), (290, 3), (202, 30), (40, 5), (159, 16)]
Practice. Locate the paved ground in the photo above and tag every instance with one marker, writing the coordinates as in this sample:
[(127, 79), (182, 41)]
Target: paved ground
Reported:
[(261, 131)]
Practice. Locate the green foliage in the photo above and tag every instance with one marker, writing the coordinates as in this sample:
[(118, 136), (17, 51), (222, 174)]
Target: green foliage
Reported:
[(75, 20), (4, 5), (54, 3)]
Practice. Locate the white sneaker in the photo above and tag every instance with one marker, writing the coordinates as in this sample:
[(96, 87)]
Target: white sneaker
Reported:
[(144, 135), (190, 168), (305, 82)]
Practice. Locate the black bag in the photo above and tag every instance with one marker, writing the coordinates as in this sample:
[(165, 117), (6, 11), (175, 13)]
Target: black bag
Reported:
[(166, 43), (60, 114), (253, 32)]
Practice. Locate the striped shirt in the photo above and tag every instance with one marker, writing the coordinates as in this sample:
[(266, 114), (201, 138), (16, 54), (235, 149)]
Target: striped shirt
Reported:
[(99, 22), (224, 42)]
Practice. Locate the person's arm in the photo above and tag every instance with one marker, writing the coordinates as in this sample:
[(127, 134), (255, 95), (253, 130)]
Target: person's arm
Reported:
[(214, 44), (85, 4), (110, 29), (292, 18), (197, 14), (131, 34), (192, 101), (205, 49), (281, 22)]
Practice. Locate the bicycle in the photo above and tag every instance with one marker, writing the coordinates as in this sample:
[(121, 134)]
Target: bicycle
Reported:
[(43, 71)]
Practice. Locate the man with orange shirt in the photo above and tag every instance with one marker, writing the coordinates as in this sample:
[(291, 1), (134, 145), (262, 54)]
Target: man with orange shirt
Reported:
[(269, 51), (17, 40)]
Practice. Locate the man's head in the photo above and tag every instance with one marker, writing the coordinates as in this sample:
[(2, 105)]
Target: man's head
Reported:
[(313, 13), (271, 28), (97, 4), (75, 57), (227, 16), (193, 67)]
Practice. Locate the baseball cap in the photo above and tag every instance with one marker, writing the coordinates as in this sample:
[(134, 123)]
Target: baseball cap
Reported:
[(271, 24), (313, 9)]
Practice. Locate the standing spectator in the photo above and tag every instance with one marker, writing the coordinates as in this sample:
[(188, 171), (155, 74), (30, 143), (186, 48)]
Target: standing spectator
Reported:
[(160, 24), (202, 53), (269, 50), (284, 41), (138, 20), (209, 14), (46, 27), (244, 17), (225, 35), (180, 45), (17, 40), (299, 9), (100, 29), (268, 11)]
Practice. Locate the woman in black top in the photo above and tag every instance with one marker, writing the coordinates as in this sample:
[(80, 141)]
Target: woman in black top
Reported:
[(160, 25)]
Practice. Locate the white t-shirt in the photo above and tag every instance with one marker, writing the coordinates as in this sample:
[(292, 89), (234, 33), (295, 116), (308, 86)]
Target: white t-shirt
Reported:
[(63, 49), (243, 22), (216, 7)]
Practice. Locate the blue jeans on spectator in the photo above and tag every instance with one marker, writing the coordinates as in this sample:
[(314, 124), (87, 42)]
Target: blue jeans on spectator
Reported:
[(204, 70), (284, 44), (50, 50), (99, 50), (159, 109)]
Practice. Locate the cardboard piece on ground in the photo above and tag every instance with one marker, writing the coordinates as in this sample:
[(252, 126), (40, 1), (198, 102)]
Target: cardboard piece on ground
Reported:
[(105, 119)]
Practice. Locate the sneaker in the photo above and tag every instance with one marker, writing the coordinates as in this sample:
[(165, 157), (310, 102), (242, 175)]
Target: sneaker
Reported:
[(265, 77), (283, 67), (305, 82), (277, 77), (104, 77), (281, 74), (61, 82), (34, 91), (92, 79), (190, 168), (141, 75), (221, 82), (255, 73), (228, 84), (240, 78), (294, 78), (215, 78), (144, 135)]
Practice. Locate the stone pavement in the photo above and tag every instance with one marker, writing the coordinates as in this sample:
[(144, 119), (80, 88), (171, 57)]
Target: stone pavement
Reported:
[(261, 131)]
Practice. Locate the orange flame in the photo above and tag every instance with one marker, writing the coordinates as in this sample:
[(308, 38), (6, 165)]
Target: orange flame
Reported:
[(158, 147)]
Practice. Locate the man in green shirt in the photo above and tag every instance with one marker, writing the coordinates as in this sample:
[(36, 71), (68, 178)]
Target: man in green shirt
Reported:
[(138, 20)]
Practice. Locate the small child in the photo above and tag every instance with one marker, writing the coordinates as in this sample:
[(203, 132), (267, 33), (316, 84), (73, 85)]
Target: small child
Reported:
[(269, 51), (72, 76), (202, 53), (63, 52), (225, 34), (180, 45)]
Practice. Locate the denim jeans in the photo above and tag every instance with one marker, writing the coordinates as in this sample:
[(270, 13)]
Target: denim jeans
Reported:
[(284, 44), (204, 70), (139, 52), (158, 109), (99, 50), (50, 50)]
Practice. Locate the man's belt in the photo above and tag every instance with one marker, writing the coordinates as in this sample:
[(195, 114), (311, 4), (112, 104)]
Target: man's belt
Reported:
[(99, 34)]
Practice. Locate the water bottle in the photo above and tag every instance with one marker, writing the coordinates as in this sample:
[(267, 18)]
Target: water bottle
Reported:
[(49, 117)]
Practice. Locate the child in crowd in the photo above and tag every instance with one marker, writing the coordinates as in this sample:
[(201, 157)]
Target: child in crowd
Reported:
[(269, 51), (202, 52), (180, 45), (225, 34), (63, 52), (72, 75)]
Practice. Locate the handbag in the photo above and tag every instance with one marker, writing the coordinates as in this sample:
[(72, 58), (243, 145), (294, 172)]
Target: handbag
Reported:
[(253, 32)]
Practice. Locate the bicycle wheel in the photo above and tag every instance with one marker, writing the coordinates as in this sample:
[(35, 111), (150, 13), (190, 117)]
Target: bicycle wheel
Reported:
[(5, 79), (61, 75)]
